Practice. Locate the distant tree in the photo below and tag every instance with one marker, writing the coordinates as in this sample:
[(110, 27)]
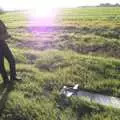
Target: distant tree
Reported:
[(105, 4), (117, 5), (109, 5)]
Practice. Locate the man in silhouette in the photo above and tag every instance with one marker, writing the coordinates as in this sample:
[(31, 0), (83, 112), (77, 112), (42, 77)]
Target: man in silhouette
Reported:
[(5, 52)]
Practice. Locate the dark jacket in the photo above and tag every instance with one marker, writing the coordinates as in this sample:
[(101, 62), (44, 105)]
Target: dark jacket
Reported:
[(3, 31)]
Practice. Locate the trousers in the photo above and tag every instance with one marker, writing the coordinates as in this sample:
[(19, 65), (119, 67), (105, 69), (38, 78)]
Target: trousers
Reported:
[(5, 52)]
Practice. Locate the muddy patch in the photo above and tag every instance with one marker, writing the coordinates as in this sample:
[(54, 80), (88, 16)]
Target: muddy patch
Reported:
[(45, 40), (37, 45), (60, 38), (102, 31), (65, 43), (109, 50), (31, 58)]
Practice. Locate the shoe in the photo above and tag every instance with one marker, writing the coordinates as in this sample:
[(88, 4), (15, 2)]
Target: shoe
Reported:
[(15, 79), (6, 82)]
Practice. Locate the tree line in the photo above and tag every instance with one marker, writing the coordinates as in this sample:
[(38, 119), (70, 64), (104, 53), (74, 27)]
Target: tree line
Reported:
[(109, 5)]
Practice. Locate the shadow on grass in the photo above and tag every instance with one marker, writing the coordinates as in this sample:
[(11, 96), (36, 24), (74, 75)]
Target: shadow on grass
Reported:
[(4, 93)]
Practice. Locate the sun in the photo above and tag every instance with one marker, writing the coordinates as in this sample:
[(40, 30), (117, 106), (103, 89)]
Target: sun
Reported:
[(43, 12), (42, 16), (43, 9)]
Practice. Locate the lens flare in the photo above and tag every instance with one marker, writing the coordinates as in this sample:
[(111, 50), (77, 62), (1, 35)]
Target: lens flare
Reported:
[(43, 12), (42, 16)]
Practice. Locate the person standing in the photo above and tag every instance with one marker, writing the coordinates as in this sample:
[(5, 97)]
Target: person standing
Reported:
[(5, 52)]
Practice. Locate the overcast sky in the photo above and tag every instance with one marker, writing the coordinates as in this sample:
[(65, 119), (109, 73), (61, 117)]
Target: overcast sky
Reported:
[(26, 4)]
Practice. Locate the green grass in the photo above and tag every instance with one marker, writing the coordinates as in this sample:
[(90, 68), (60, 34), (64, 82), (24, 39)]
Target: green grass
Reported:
[(85, 51), (91, 16)]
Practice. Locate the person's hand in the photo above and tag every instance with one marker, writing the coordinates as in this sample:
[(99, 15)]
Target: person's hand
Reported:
[(4, 37)]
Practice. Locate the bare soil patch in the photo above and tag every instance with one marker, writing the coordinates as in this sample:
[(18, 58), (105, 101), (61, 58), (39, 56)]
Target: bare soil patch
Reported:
[(59, 38)]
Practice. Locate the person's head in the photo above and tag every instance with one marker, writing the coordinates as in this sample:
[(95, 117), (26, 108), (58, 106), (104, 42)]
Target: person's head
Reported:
[(3, 31)]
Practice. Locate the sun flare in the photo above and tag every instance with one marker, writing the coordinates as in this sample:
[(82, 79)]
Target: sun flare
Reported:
[(43, 12), (43, 9)]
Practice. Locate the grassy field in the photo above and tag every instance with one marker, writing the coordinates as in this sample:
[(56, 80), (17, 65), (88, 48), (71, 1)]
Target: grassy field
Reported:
[(83, 47)]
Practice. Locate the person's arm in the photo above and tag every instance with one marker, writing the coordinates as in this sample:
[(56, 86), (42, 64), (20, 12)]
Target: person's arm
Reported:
[(5, 36), (3, 31)]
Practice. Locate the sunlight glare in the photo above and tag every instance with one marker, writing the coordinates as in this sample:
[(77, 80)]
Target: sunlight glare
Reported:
[(42, 13), (43, 9)]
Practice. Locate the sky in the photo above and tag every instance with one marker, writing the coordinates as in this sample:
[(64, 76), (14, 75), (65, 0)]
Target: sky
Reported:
[(33, 4)]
